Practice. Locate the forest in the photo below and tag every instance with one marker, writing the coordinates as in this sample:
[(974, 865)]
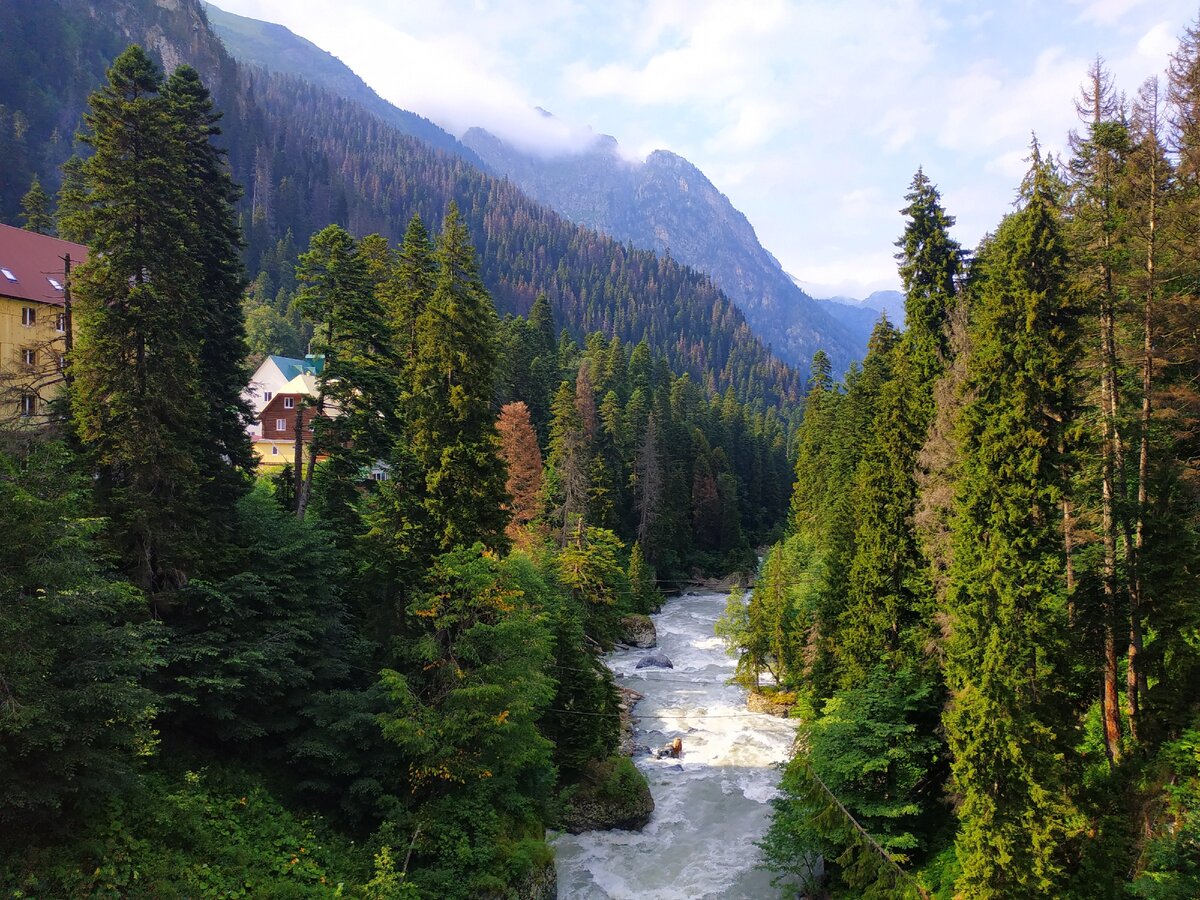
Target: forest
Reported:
[(315, 683), (984, 611)]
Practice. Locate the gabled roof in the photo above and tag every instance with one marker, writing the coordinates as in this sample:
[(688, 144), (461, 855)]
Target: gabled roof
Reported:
[(291, 367), (35, 263)]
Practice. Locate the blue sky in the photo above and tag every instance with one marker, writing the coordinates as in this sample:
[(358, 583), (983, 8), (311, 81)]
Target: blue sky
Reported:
[(811, 116)]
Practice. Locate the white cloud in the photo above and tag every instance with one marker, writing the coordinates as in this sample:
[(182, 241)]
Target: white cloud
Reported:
[(811, 116), (1106, 12)]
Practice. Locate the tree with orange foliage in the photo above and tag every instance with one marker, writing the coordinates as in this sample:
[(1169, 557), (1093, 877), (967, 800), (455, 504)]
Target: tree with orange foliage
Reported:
[(521, 454)]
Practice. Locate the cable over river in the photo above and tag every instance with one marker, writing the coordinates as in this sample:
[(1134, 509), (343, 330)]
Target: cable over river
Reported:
[(711, 805)]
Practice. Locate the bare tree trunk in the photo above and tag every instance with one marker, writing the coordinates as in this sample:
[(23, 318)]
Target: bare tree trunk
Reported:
[(1136, 675)]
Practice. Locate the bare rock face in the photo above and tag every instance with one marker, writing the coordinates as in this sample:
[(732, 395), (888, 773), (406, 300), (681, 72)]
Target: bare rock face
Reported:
[(638, 631)]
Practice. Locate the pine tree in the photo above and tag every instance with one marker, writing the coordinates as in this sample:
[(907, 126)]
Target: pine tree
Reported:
[(137, 401), (35, 209), (1007, 592), (450, 413)]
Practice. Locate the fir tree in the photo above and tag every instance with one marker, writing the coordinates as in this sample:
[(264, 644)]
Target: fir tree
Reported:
[(450, 413), (930, 264), (226, 459), (1006, 592), (35, 209), (137, 400)]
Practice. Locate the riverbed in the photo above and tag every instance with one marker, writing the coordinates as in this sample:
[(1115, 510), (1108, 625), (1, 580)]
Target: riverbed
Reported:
[(711, 805)]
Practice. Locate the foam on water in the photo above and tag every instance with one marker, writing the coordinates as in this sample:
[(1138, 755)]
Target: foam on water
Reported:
[(711, 805)]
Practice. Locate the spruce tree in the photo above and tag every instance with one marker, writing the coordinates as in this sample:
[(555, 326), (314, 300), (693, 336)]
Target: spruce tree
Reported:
[(450, 412), (1007, 590)]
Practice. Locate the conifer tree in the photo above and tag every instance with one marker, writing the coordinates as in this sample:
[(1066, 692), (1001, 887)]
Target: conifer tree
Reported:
[(450, 412), (523, 461), (408, 291), (226, 458), (930, 264), (570, 466), (1007, 590), (35, 209), (356, 382), (137, 400)]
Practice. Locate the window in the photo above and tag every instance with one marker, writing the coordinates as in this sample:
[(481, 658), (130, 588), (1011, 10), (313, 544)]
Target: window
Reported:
[(280, 424), (28, 405), (29, 356), (8, 274), (274, 450), (60, 323), (28, 315), (289, 402), (54, 283), (267, 396), (62, 362)]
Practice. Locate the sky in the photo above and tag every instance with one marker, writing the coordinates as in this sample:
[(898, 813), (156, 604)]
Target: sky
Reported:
[(812, 117)]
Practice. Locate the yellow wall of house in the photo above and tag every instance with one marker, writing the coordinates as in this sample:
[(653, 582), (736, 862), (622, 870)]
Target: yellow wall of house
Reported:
[(43, 337), (267, 459)]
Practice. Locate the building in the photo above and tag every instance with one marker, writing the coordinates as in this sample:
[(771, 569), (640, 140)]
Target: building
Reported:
[(270, 378), (33, 322), (275, 426)]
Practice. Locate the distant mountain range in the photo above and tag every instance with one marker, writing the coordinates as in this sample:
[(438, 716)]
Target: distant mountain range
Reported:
[(664, 204), (861, 316)]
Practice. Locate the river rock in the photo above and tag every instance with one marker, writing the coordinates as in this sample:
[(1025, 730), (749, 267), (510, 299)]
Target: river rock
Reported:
[(611, 794), (657, 660), (770, 704), (638, 631), (627, 699)]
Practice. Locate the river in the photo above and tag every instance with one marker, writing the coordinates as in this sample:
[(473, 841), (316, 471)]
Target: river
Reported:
[(711, 805)]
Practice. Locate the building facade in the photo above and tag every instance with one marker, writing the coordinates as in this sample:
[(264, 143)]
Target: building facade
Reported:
[(34, 322)]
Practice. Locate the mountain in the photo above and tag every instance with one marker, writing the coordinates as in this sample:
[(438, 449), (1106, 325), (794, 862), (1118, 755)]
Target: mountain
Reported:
[(668, 205), (308, 157), (278, 49), (664, 204), (860, 316)]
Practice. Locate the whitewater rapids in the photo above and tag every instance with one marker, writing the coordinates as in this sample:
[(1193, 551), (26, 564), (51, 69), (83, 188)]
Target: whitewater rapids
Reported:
[(711, 805)]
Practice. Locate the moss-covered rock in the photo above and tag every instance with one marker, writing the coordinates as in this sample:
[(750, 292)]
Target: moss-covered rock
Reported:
[(776, 703), (638, 631), (611, 794)]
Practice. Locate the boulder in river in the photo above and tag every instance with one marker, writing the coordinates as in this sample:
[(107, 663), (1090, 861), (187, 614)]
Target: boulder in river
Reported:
[(777, 704), (656, 660), (638, 631), (611, 794)]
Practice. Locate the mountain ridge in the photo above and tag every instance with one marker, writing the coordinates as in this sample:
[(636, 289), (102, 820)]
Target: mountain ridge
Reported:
[(308, 158)]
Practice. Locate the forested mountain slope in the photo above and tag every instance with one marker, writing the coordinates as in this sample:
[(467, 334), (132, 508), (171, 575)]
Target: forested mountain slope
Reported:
[(307, 158), (667, 204), (277, 49)]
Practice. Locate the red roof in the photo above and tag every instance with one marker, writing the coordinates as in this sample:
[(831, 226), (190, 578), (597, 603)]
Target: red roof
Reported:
[(34, 259)]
